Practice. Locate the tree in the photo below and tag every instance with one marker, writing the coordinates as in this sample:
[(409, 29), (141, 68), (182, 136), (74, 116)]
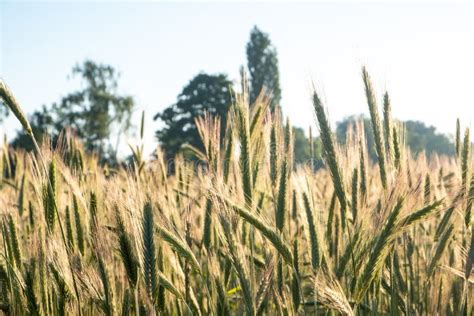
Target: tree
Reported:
[(3, 111), (93, 111), (42, 124), (204, 93), (419, 137), (302, 149), (262, 62), (343, 126)]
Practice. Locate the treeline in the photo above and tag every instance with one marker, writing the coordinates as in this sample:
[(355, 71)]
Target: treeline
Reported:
[(100, 116)]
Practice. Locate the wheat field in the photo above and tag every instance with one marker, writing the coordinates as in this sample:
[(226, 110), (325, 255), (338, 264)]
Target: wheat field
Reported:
[(243, 232)]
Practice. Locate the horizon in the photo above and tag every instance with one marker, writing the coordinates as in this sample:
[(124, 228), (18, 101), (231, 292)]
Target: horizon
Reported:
[(328, 43)]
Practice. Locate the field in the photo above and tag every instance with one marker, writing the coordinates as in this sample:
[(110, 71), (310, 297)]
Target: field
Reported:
[(245, 230)]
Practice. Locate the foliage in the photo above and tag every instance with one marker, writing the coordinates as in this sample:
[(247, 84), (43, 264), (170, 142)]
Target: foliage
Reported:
[(278, 240), (93, 113), (3, 111), (204, 93), (42, 124), (302, 148), (262, 63), (419, 137)]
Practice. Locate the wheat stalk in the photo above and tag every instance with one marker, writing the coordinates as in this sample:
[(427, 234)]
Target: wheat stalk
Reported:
[(376, 126)]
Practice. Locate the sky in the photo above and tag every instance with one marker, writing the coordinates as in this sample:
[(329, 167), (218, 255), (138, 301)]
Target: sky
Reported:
[(421, 53)]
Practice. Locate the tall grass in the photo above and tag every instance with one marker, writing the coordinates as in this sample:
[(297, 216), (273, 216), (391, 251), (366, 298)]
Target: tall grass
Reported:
[(376, 125), (245, 231)]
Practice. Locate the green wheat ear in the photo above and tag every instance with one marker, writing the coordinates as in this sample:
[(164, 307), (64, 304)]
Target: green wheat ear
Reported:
[(271, 234), (245, 162), (274, 152), (470, 200), (380, 250), (49, 197), (207, 230), (363, 173), (126, 250), (295, 286), (79, 227), (93, 210), (441, 247), (64, 293), (458, 138), (238, 264), (355, 194), (180, 246), (69, 234), (466, 154), (330, 153), (7, 244), (281, 205), (14, 241), (311, 147), (106, 303), (427, 194), (161, 298), (376, 126), (313, 235), (149, 253), (396, 149), (21, 194), (227, 163), (387, 123), (289, 143), (31, 299), (31, 214)]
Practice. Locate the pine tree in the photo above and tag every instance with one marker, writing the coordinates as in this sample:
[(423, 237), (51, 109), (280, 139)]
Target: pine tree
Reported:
[(262, 62)]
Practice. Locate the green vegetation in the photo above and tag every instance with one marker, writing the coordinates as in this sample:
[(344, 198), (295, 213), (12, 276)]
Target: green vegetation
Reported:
[(94, 113), (262, 63), (203, 94), (246, 231), (99, 116), (419, 137)]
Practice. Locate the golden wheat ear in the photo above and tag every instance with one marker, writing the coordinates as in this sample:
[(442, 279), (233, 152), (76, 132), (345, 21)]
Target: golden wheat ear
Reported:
[(7, 96)]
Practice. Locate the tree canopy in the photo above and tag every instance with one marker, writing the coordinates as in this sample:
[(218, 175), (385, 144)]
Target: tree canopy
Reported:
[(93, 113), (98, 114), (42, 124), (262, 62), (204, 93), (3, 111), (302, 148), (419, 137)]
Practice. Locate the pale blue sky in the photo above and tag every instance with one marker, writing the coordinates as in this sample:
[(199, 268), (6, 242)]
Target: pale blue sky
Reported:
[(422, 53)]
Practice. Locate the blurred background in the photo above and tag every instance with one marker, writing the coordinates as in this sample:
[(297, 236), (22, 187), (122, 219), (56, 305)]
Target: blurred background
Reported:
[(96, 66)]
